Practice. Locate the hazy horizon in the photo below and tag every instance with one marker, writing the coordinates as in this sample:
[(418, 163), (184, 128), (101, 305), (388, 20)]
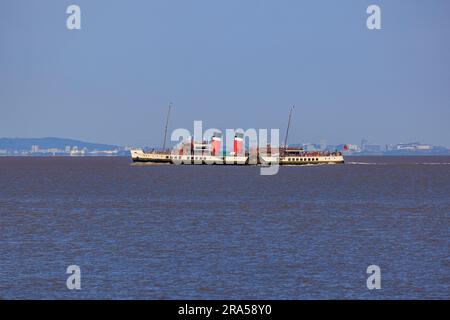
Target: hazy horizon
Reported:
[(232, 64), (169, 143)]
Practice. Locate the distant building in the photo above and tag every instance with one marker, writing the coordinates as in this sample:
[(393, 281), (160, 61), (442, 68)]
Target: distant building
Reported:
[(353, 147), (363, 144), (34, 149), (309, 147), (323, 145), (372, 148), (54, 150), (424, 147), (413, 146), (332, 147), (389, 147)]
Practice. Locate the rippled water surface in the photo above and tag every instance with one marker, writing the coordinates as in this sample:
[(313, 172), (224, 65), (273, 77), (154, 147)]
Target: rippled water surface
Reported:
[(173, 232)]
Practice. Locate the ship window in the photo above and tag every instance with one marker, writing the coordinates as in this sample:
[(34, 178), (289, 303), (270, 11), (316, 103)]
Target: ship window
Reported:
[(296, 159), (167, 157), (317, 159)]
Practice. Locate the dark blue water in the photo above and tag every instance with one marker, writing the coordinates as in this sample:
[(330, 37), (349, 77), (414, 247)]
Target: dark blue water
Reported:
[(185, 232)]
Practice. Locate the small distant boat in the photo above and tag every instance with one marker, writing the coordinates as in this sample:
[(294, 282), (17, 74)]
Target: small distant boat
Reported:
[(209, 152)]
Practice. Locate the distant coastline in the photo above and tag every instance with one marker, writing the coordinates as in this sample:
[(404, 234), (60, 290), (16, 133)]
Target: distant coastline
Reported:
[(52, 146)]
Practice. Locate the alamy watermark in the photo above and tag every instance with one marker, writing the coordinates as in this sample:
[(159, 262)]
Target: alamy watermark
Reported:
[(251, 146), (374, 280), (73, 21), (73, 282), (373, 22)]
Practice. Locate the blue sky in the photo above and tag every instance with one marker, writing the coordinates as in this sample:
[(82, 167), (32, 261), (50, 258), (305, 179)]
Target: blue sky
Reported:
[(229, 63)]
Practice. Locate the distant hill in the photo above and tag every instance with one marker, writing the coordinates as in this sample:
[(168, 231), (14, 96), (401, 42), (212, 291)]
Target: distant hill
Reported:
[(22, 144)]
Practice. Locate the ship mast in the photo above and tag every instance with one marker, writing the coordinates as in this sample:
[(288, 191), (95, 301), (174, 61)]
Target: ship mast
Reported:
[(287, 129), (165, 128)]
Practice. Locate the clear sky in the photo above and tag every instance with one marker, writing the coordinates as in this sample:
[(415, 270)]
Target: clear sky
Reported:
[(230, 63)]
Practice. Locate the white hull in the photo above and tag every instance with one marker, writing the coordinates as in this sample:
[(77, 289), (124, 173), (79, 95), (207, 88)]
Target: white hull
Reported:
[(138, 155), (302, 160)]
